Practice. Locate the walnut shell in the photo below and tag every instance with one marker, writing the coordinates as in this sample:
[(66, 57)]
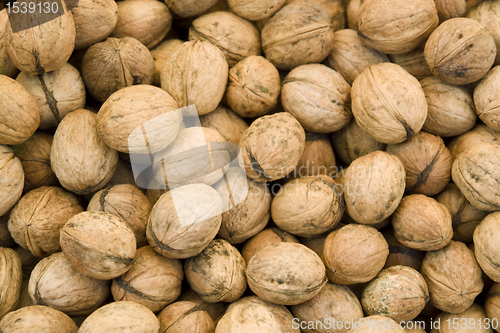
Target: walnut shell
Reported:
[(460, 51), (352, 13), (398, 292), (11, 278), (99, 245), (354, 253), (453, 277), (36, 220), (486, 100), (486, 245), (413, 62), (128, 317), (7, 67), (228, 123), (376, 173), (448, 9), (298, 34), (160, 55), (11, 179), (80, 159), (56, 283), (388, 103), (474, 314), (185, 317), (114, 64), (335, 8), (400, 254), (188, 8), (196, 73), (133, 113), (492, 304), (37, 319), (249, 317), (153, 280), (255, 10), (376, 324), (487, 13), (215, 310), (480, 133), (263, 239)]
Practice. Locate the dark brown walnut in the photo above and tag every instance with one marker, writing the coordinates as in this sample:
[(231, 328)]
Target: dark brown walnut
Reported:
[(335, 8), (486, 101), (217, 274), (228, 123), (11, 179), (56, 283), (7, 67), (474, 314), (41, 46), (114, 64), (188, 8), (354, 253), (374, 186), (448, 9), (236, 37), (215, 310), (185, 317), (400, 254), (254, 87), (334, 302), (413, 62), (350, 55), (385, 324), (99, 245), (298, 34), (451, 110), (56, 93), (286, 273), (160, 55), (352, 142), (19, 116), (153, 280), (36, 220), (272, 146), (427, 162), (11, 279), (486, 246), (37, 319), (94, 21), (263, 239), (476, 174), (464, 216), (453, 277), (388, 103), (318, 97), (460, 51), (255, 10), (398, 292), (133, 113), (79, 158), (480, 133), (488, 13), (5, 236), (492, 302), (128, 317)]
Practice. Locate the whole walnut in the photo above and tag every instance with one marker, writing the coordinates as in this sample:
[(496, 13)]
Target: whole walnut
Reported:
[(188, 8), (475, 314), (487, 13), (255, 10), (350, 55), (196, 73), (11, 277), (427, 162), (227, 122), (492, 302), (160, 54), (460, 51), (388, 103), (7, 67), (18, 112), (254, 87), (263, 239), (453, 277), (400, 254), (11, 179), (298, 34), (36, 220), (486, 100), (335, 8), (480, 133), (396, 26), (80, 159), (56, 93), (451, 110), (116, 63), (37, 319), (413, 62), (185, 316), (37, 45), (486, 246), (354, 253)]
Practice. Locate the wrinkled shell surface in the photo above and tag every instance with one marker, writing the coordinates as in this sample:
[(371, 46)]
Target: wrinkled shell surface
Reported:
[(413, 62), (188, 8), (255, 10), (486, 245), (10, 280), (400, 254), (263, 239), (448, 9), (38, 319), (11, 179), (480, 133), (229, 124), (7, 67), (335, 8), (486, 99), (487, 13), (161, 54), (473, 314), (185, 316)]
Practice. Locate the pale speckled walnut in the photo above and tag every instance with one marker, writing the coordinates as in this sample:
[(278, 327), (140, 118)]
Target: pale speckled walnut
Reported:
[(160, 55), (474, 314), (263, 239), (488, 14), (11, 179), (11, 279), (492, 302), (39, 319), (413, 62), (335, 8), (255, 10), (225, 121), (486, 246), (189, 8), (480, 133), (185, 316), (7, 67), (486, 99)]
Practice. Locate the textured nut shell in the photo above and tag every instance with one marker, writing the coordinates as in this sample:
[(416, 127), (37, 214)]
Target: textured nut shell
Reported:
[(398, 292), (460, 51), (448, 9), (350, 55), (19, 116), (114, 64), (56, 93), (11, 179), (475, 314), (80, 159), (153, 280), (486, 99), (492, 302), (99, 245), (487, 13), (388, 103), (37, 218), (374, 186), (246, 316), (10, 280), (130, 108), (263, 239), (401, 255), (46, 46), (129, 317), (352, 13), (56, 283), (385, 322), (188, 8), (94, 21), (185, 317), (486, 245), (453, 277), (413, 62), (451, 110), (480, 133), (255, 10), (333, 301), (335, 8), (229, 124), (298, 34), (38, 319), (354, 253), (254, 87), (235, 37), (215, 310), (7, 67), (318, 97), (272, 146), (200, 207), (196, 74), (160, 55), (397, 26)]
